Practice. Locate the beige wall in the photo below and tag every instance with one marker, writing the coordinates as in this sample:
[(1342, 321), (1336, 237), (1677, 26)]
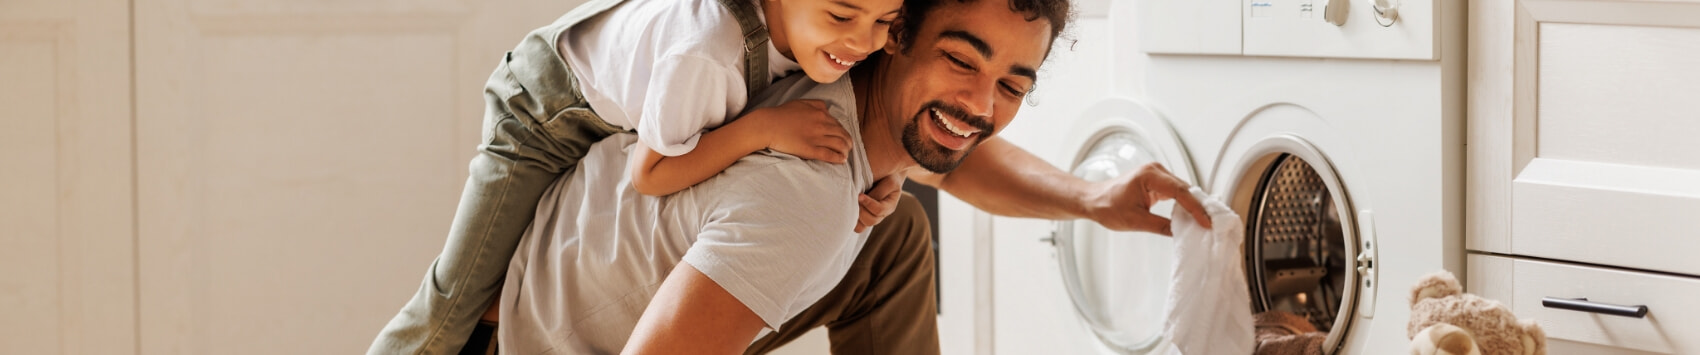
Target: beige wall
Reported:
[(233, 176)]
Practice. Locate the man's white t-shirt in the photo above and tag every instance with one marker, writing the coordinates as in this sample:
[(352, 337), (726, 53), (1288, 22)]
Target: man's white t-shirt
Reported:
[(774, 230), (670, 69)]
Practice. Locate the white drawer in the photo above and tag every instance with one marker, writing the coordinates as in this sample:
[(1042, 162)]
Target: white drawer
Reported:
[(1672, 323)]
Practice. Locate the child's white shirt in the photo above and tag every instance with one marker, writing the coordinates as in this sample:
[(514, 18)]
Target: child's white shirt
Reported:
[(670, 69)]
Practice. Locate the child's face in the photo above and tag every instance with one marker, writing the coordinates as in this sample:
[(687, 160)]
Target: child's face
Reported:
[(827, 37)]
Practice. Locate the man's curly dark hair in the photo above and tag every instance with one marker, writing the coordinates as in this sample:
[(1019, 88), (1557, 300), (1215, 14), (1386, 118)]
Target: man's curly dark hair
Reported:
[(1058, 12)]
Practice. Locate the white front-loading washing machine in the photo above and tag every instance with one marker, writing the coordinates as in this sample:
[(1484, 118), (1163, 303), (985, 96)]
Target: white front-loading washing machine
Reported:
[(1048, 287), (1334, 128)]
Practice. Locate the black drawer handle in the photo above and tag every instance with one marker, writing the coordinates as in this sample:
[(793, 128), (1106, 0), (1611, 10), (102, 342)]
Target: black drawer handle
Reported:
[(1582, 304)]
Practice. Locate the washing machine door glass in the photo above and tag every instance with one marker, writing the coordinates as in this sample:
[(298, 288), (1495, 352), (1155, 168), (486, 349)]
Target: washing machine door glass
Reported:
[(1117, 280)]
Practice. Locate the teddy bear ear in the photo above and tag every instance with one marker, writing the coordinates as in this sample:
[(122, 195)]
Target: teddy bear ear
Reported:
[(1535, 338), (1436, 285)]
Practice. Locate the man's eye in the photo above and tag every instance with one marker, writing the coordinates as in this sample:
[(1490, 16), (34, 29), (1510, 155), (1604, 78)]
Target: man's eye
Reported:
[(1012, 89), (959, 62)]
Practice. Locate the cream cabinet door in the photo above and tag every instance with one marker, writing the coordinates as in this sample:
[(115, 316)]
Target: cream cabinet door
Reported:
[(1583, 131), (67, 231), (299, 161)]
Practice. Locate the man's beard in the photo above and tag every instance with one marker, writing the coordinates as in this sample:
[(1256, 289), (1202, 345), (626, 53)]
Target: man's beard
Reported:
[(929, 154)]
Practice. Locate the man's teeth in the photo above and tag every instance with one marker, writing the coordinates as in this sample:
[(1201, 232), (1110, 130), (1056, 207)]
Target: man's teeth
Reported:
[(948, 126), (840, 62)]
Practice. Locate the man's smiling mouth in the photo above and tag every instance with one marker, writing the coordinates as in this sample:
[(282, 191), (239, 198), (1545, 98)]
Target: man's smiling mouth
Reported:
[(964, 132)]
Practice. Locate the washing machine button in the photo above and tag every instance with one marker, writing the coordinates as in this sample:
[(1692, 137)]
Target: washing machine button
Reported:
[(1335, 11)]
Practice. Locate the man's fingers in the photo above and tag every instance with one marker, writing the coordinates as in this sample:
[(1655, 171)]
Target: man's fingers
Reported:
[(1196, 208), (1190, 203), (1145, 221), (1160, 184), (1160, 167)]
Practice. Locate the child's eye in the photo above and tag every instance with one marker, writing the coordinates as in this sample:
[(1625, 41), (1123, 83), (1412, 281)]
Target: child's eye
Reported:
[(884, 22), (837, 18)]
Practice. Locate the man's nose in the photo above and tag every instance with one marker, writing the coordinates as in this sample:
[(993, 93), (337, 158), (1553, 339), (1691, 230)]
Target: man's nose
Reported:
[(978, 98)]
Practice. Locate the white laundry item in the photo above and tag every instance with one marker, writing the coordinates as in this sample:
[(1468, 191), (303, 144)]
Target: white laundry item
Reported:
[(1209, 309)]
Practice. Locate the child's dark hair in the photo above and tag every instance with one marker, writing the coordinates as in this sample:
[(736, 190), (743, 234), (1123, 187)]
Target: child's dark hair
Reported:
[(1058, 12)]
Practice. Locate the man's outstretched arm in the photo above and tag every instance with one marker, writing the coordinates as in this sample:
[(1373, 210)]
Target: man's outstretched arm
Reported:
[(691, 314), (1004, 179)]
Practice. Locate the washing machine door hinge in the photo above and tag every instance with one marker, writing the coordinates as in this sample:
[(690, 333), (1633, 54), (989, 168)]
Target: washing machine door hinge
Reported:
[(1367, 282)]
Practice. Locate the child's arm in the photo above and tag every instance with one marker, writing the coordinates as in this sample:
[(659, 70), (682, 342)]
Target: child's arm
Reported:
[(801, 128)]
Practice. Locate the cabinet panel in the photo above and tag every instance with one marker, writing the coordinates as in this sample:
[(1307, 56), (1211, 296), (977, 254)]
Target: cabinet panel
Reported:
[(1610, 177), (299, 162), (324, 180), (29, 208), (1612, 214), (1619, 94), (1580, 143), (66, 230)]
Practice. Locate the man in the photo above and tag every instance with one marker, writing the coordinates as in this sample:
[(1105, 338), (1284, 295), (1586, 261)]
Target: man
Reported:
[(767, 245)]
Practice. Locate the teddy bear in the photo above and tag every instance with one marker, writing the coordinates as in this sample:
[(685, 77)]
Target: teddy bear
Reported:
[(1447, 321)]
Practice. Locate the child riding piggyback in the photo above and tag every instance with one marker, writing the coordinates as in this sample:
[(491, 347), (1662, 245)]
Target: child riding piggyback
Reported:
[(678, 73)]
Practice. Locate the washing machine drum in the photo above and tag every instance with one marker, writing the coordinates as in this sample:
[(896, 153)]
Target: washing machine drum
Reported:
[(1118, 281), (1297, 246), (1301, 240)]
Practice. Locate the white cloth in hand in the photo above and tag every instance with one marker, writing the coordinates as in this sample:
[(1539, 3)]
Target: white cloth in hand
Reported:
[(1209, 308)]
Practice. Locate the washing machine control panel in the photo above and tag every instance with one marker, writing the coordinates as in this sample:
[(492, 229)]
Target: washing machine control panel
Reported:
[(1378, 29), (1368, 29)]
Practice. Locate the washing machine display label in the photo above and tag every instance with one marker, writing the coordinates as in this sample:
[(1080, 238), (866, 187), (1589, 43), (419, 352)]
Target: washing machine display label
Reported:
[(1261, 8)]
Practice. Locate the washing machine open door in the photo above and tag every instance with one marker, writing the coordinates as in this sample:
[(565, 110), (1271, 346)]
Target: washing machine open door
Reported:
[(1304, 253), (1118, 281)]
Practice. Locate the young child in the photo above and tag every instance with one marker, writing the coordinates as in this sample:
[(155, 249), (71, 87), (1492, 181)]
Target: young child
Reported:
[(676, 72)]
